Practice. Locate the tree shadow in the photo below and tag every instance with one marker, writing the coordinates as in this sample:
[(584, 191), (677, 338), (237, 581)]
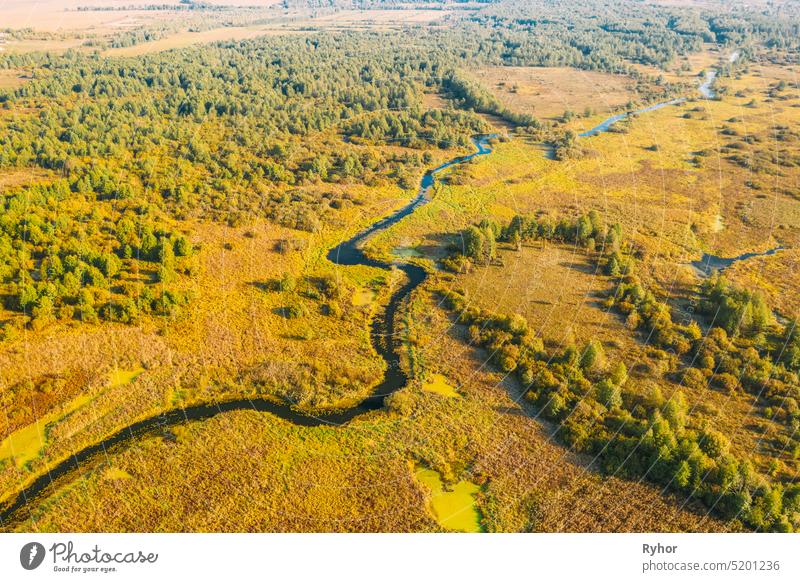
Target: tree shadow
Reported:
[(268, 286)]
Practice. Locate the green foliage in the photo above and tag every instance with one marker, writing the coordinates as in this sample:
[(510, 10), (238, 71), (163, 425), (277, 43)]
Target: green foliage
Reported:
[(593, 358), (654, 437), (651, 438), (59, 251), (735, 310), (566, 146), (609, 394), (714, 443), (470, 95), (619, 374), (479, 244)]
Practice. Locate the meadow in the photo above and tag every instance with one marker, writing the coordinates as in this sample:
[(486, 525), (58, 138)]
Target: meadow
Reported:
[(548, 92), (267, 475), (171, 191)]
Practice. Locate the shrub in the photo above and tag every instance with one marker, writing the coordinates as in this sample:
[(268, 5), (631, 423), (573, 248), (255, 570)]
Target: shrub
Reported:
[(694, 378), (609, 394)]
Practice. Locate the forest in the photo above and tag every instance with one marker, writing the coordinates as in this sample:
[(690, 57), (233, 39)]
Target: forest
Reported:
[(170, 222), (652, 437), (230, 131)]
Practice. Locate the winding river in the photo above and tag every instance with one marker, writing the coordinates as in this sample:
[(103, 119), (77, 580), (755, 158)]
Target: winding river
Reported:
[(705, 89), (382, 336), (606, 124), (708, 264)]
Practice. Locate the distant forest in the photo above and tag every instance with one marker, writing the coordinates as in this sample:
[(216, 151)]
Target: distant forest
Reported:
[(230, 130)]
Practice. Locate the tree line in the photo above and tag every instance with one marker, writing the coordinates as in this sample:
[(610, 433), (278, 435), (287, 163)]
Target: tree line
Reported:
[(649, 436)]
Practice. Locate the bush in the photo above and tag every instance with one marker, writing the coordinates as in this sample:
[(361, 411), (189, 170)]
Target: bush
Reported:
[(714, 443), (593, 358), (694, 378), (727, 382), (609, 394)]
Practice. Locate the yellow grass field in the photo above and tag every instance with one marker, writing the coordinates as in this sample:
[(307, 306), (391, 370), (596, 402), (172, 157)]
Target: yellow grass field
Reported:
[(13, 178), (547, 92), (235, 324), (187, 38), (13, 78), (459, 448), (560, 289), (274, 476), (671, 179)]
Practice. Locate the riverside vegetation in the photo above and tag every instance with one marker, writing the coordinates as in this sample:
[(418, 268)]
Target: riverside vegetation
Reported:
[(166, 222), (651, 437)]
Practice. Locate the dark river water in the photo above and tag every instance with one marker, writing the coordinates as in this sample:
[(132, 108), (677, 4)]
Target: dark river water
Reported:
[(382, 334), (705, 90), (710, 263)]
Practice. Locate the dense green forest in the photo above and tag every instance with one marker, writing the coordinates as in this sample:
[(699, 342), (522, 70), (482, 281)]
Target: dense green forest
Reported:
[(232, 130)]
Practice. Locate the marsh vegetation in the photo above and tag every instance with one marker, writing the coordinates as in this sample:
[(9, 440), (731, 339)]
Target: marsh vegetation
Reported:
[(170, 192)]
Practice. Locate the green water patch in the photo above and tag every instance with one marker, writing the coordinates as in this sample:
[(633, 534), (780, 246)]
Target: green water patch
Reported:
[(363, 297), (26, 444), (407, 252), (453, 507), (438, 384)]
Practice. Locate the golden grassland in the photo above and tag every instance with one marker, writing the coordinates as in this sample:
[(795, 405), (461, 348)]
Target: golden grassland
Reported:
[(768, 203), (777, 278), (57, 45), (13, 78), (23, 177), (434, 101), (232, 336), (674, 206), (61, 16), (547, 92), (559, 290), (438, 384), (251, 472), (246, 471), (670, 179), (26, 444)]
